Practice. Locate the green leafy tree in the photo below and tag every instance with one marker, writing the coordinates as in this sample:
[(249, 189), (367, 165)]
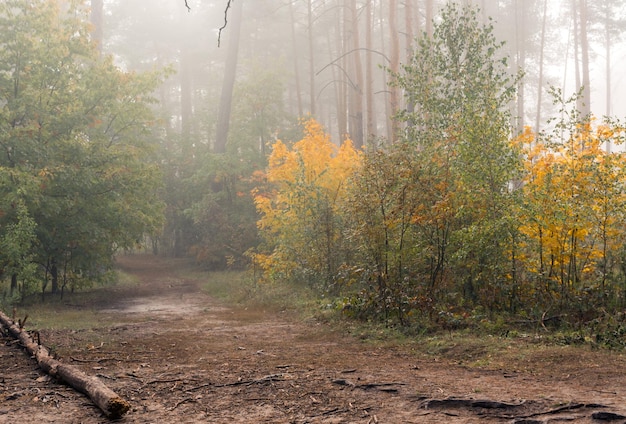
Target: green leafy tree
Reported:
[(75, 140), (461, 88)]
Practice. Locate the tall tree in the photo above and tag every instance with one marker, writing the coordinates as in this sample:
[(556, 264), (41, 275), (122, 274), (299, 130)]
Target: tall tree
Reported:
[(369, 72), (583, 35), (462, 90), (76, 143), (311, 39), (544, 21), (228, 84), (394, 66), (356, 114)]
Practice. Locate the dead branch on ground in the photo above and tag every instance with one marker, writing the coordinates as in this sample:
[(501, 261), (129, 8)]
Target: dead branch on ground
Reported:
[(107, 400)]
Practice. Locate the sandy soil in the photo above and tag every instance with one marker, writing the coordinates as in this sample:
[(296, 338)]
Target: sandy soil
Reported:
[(180, 357)]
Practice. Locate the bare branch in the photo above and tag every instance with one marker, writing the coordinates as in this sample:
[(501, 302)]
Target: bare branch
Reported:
[(219, 34)]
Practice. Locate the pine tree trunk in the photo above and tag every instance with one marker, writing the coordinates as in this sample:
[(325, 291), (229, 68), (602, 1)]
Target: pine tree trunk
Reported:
[(356, 131), (394, 97), (584, 46), (369, 72), (311, 58), (295, 60), (541, 53)]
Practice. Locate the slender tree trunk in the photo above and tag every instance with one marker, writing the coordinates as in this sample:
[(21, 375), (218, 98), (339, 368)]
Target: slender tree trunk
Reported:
[(520, 23), (339, 78), (408, 23), (394, 96), (13, 283), (54, 277), (97, 22), (408, 28), (579, 103), (186, 104), (428, 16), (369, 78), (607, 23), (296, 54), (226, 99), (356, 132), (382, 13), (541, 54), (311, 58), (584, 45)]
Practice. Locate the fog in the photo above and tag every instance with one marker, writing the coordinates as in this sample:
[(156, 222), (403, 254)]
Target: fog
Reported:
[(309, 51)]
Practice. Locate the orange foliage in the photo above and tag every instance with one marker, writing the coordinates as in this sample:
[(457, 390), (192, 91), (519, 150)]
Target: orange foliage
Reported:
[(310, 174), (574, 196)]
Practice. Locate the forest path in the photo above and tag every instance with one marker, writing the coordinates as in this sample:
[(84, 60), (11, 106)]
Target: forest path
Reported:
[(179, 356)]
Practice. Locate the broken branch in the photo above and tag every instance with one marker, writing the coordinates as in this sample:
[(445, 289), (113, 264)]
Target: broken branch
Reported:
[(107, 400)]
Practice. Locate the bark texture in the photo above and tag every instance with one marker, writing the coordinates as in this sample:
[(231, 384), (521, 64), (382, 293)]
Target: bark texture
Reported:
[(106, 399)]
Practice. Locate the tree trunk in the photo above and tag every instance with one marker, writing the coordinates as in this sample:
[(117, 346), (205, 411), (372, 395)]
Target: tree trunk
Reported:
[(541, 53), (311, 58), (369, 73), (97, 21), (186, 106), (429, 18), (54, 277), (576, 53), (226, 99), (395, 66), (13, 283), (339, 78), (295, 59), (584, 50), (408, 24), (106, 399), (607, 23), (356, 116), (520, 23)]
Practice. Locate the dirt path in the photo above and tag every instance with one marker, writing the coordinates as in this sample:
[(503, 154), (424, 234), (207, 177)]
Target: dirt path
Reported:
[(180, 357)]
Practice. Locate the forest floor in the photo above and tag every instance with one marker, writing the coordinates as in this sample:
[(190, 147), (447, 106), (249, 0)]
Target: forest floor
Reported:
[(180, 356)]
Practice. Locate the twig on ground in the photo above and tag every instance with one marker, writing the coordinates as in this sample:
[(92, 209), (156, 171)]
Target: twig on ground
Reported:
[(266, 379)]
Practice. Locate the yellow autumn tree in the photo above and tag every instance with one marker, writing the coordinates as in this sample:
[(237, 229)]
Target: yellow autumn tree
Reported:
[(300, 213), (574, 195)]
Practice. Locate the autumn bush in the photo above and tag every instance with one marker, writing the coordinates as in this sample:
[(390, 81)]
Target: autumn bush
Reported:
[(460, 223)]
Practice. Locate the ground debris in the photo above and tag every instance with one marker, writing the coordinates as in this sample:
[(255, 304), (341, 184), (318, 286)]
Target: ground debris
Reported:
[(289, 371)]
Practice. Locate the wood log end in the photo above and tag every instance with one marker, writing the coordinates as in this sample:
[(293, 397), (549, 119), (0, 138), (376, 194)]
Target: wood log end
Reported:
[(117, 407)]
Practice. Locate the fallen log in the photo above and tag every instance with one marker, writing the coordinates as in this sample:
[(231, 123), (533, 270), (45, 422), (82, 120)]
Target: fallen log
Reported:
[(106, 399)]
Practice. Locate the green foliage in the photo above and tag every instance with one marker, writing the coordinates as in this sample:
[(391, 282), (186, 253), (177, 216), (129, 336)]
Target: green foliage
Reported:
[(75, 137), (435, 210), (210, 209), (223, 214)]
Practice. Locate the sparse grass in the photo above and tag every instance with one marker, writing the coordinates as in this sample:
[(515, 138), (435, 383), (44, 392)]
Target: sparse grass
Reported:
[(75, 311), (485, 348), (52, 317), (239, 288)]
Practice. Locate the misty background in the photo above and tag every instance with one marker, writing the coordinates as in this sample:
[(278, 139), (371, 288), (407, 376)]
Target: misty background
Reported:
[(276, 61)]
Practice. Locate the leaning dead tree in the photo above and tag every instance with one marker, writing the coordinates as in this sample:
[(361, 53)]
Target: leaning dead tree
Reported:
[(108, 401)]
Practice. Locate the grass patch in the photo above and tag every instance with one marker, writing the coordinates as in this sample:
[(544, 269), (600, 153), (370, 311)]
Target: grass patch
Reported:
[(75, 311), (238, 288), (51, 317)]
